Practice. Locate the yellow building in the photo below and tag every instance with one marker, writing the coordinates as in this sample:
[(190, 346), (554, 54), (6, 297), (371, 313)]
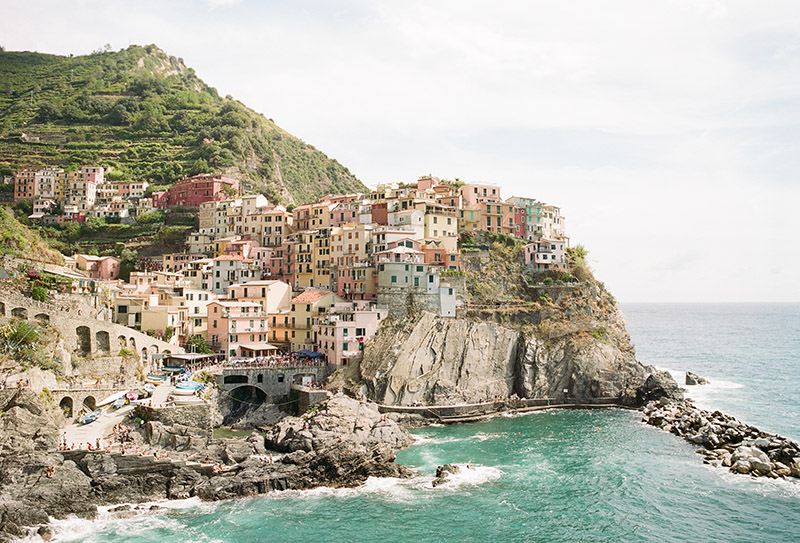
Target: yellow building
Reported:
[(305, 308)]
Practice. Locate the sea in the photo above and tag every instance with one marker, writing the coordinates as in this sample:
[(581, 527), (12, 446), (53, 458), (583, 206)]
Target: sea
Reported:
[(552, 476)]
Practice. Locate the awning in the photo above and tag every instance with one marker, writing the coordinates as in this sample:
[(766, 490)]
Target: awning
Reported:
[(258, 347)]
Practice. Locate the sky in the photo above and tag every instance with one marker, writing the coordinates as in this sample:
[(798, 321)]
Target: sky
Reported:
[(666, 131)]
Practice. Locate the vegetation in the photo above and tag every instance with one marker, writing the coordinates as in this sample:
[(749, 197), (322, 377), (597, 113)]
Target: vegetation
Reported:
[(197, 344), (576, 257), (18, 240), (39, 293), (152, 119)]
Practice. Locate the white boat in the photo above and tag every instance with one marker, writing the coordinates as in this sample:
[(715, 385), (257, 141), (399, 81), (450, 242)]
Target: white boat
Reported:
[(187, 400), (112, 398), (190, 385), (184, 391)]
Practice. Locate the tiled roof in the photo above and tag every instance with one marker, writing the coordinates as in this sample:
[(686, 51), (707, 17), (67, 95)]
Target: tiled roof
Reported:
[(310, 296)]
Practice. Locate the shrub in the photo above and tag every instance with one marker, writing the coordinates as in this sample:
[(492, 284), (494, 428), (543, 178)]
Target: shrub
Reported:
[(39, 293), (548, 281)]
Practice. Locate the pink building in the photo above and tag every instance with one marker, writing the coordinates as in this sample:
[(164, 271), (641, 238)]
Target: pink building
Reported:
[(98, 267), (193, 191), (238, 329), (344, 213), (546, 254)]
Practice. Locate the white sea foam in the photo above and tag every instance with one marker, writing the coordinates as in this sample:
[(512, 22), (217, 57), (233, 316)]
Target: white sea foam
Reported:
[(469, 475), (704, 396), (137, 519), (427, 440)]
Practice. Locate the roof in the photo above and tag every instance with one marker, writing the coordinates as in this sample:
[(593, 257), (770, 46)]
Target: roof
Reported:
[(234, 304), (233, 257), (310, 296)]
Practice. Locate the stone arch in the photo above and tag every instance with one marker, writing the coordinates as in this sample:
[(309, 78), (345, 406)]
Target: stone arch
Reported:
[(144, 355), (2, 309), (66, 406), (89, 403), (103, 341), (260, 378), (167, 351), (43, 318), (19, 312), (246, 395), (123, 343), (133, 344), (234, 379), (84, 335), (154, 348)]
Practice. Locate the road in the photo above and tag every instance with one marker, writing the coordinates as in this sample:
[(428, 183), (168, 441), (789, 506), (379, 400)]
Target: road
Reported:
[(80, 435)]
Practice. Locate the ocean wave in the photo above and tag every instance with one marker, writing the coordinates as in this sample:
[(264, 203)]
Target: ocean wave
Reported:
[(703, 395), (468, 475), (139, 518), (428, 440)]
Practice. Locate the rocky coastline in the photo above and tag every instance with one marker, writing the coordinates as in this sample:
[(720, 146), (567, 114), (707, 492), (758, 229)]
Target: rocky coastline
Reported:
[(725, 441), (340, 444)]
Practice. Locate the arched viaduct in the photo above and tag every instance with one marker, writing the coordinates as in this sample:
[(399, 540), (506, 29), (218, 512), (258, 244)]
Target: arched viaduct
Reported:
[(273, 381), (83, 334)]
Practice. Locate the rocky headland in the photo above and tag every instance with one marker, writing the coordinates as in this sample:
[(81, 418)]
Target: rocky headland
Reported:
[(340, 444)]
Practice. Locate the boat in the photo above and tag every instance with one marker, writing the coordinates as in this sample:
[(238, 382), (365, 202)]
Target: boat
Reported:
[(155, 378), (91, 417), (111, 399), (149, 388), (187, 400), (119, 402), (184, 391), (191, 385), (132, 395)]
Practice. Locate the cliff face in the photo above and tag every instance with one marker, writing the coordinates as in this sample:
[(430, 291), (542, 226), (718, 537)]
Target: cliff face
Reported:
[(578, 343)]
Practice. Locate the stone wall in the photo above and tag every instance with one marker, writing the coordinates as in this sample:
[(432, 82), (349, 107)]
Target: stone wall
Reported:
[(402, 301)]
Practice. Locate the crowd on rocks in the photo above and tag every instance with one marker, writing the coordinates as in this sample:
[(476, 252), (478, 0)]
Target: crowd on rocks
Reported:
[(726, 441)]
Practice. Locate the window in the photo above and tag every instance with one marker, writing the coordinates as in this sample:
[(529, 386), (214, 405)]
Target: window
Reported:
[(345, 346), (394, 279), (344, 331), (360, 331)]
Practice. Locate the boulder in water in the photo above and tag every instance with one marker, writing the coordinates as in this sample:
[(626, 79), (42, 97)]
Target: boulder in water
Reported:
[(443, 474), (694, 379)]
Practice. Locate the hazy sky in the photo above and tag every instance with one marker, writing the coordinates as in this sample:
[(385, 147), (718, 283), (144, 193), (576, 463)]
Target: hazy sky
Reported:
[(666, 131)]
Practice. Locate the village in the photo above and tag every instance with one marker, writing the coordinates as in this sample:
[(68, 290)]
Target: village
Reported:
[(258, 278)]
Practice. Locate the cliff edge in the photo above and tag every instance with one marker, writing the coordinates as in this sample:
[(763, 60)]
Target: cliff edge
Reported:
[(517, 333)]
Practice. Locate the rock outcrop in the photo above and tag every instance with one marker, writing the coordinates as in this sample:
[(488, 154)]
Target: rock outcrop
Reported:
[(579, 344), (37, 482), (694, 379), (340, 419), (726, 441)]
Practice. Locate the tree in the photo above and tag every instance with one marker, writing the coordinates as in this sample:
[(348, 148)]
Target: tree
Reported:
[(196, 344)]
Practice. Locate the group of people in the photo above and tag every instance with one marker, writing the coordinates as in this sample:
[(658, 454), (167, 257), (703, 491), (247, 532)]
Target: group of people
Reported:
[(21, 383), (276, 361)]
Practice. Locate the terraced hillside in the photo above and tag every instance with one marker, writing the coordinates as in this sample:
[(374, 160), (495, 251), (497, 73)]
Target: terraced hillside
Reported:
[(150, 117)]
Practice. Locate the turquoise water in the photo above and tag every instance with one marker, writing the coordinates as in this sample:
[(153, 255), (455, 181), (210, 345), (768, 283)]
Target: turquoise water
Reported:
[(557, 475)]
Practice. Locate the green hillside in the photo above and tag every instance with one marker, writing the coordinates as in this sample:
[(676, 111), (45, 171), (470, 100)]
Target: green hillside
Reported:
[(151, 118)]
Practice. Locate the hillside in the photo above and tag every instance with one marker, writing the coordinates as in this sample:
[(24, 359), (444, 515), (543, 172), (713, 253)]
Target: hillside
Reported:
[(150, 117), (18, 240)]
